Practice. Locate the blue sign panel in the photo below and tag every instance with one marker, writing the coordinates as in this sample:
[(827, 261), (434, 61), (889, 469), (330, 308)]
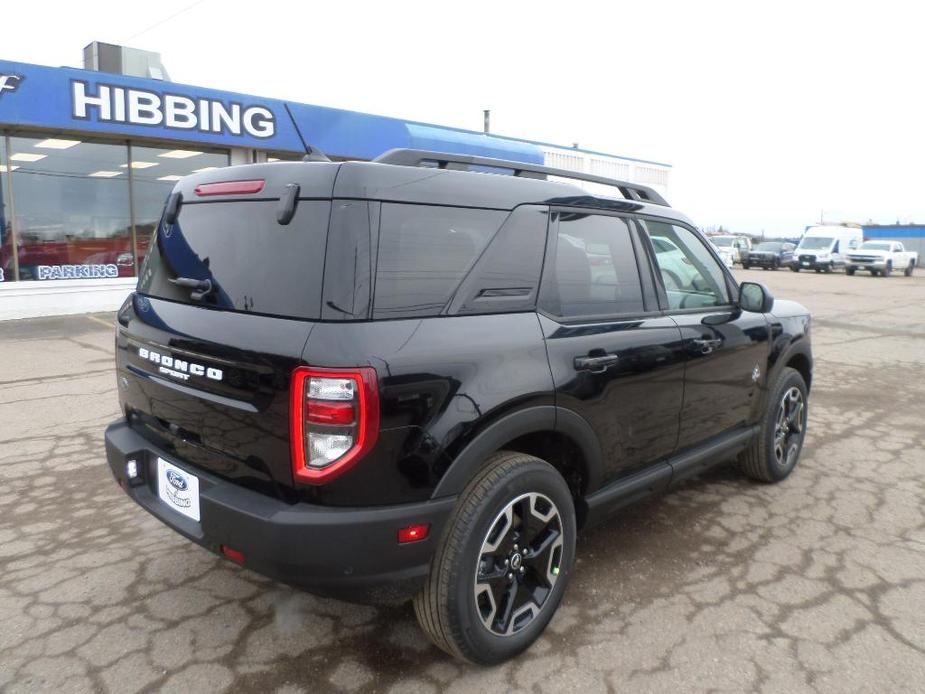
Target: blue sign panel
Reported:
[(70, 99), (95, 102)]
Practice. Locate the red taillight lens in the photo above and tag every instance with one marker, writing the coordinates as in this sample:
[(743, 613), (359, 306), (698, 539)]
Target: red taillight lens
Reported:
[(334, 420), (233, 554), (320, 412), (413, 533), (229, 188)]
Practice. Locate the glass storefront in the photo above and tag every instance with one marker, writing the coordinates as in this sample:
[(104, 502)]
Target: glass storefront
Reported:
[(6, 219), (70, 203)]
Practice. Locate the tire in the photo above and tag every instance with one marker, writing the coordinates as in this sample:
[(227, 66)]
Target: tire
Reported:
[(818, 269), (910, 268), (451, 610), (776, 265), (795, 268), (849, 271), (745, 266), (761, 461), (888, 269)]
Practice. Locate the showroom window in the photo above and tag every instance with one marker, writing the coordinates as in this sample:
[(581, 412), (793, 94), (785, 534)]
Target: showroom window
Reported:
[(68, 202), (71, 207), (7, 271), (155, 171)]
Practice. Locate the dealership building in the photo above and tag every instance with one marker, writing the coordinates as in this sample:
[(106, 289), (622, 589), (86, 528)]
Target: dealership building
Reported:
[(88, 157)]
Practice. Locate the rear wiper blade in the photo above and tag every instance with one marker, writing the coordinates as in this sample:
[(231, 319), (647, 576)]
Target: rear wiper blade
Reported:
[(200, 288)]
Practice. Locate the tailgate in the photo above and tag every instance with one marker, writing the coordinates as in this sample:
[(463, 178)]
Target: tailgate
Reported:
[(206, 347)]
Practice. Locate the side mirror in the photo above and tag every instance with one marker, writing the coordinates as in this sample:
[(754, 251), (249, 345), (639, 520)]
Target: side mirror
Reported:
[(755, 297)]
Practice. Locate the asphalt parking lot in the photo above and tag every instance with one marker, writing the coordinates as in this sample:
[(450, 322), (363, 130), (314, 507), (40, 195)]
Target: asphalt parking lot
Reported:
[(814, 584)]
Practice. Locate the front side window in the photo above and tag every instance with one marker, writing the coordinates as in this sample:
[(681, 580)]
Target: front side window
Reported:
[(691, 275), (593, 269), (424, 253)]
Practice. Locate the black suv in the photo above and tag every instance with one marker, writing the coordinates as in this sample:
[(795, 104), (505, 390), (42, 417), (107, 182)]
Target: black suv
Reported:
[(421, 376)]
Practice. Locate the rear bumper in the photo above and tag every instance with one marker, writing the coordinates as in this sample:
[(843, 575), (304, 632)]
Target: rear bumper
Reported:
[(763, 261), (348, 553)]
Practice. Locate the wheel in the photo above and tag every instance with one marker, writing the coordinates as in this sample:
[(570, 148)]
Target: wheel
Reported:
[(503, 562), (745, 266), (774, 452), (795, 268), (910, 268), (873, 273), (818, 269), (888, 269), (850, 270), (764, 267), (776, 265)]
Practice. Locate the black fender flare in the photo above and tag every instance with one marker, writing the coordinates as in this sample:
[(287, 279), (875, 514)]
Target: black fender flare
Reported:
[(511, 426), (799, 345)]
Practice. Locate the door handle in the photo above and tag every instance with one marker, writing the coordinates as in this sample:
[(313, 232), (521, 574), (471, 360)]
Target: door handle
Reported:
[(596, 365), (706, 346)]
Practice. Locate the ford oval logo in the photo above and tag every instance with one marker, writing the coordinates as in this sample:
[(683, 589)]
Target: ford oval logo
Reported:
[(177, 480)]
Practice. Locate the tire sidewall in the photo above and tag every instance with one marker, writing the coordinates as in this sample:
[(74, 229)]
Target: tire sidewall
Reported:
[(789, 378), (481, 645)]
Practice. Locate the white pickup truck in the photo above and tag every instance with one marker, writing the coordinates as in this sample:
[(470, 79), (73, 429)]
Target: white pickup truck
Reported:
[(881, 258)]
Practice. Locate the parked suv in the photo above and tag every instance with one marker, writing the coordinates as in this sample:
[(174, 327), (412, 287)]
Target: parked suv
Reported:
[(770, 255), (400, 379)]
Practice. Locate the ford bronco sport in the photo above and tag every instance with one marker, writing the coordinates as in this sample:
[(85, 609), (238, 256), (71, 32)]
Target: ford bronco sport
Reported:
[(419, 377)]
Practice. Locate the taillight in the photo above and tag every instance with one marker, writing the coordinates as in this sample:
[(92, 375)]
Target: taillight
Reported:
[(334, 420)]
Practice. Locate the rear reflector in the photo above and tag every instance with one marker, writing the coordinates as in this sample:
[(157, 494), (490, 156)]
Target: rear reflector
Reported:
[(413, 533), (229, 188), (232, 554)]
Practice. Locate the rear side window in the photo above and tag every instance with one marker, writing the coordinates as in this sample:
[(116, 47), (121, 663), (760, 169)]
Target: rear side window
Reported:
[(235, 256), (593, 270), (424, 253)]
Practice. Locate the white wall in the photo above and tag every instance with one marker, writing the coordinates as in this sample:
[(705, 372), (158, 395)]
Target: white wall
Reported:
[(62, 297), (653, 175)]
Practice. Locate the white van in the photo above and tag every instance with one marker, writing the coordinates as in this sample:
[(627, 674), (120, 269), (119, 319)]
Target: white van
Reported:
[(823, 248)]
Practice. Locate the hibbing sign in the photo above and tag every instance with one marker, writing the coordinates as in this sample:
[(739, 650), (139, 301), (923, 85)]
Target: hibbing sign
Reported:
[(35, 96), (70, 99)]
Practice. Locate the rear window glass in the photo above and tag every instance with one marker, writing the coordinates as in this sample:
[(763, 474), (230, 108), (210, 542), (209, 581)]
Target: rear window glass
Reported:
[(235, 256), (424, 253)]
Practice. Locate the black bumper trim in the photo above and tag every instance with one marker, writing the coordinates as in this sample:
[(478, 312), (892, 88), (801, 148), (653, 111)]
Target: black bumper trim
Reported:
[(349, 553)]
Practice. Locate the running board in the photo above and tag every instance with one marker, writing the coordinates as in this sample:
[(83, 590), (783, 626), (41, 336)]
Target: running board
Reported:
[(658, 477)]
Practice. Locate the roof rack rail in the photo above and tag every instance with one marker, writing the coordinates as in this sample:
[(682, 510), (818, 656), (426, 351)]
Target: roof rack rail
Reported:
[(444, 160)]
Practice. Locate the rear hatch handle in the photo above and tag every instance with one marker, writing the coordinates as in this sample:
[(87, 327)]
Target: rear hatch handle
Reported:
[(200, 288)]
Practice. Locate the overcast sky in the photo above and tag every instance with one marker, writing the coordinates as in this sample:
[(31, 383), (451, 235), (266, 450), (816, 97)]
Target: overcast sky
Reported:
[(769, 116)]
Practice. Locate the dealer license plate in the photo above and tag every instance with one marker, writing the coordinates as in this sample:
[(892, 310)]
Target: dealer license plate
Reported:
[(178, 489)]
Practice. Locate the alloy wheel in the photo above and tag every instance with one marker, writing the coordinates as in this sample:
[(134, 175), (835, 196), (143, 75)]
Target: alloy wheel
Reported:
[(518, 564), (791, 421)]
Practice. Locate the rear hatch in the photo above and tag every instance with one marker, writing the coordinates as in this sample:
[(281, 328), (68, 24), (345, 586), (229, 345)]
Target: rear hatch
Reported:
[(225, 302)]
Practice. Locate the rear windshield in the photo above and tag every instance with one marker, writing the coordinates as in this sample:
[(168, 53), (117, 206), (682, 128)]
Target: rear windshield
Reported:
[(769, 246), (235, 256), (875, 246)]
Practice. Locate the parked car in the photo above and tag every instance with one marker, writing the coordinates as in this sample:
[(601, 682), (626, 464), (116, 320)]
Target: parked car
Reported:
[(823, 247), (881, 258), (399, 380), (770, 255), (725, 253), (737, 246)]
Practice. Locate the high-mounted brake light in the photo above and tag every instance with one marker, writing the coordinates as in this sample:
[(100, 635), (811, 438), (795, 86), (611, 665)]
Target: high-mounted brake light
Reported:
[(334, 420), (229, 188)]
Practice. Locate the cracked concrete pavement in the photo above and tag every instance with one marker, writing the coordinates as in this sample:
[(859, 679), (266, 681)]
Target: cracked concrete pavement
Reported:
[(816, 584)]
